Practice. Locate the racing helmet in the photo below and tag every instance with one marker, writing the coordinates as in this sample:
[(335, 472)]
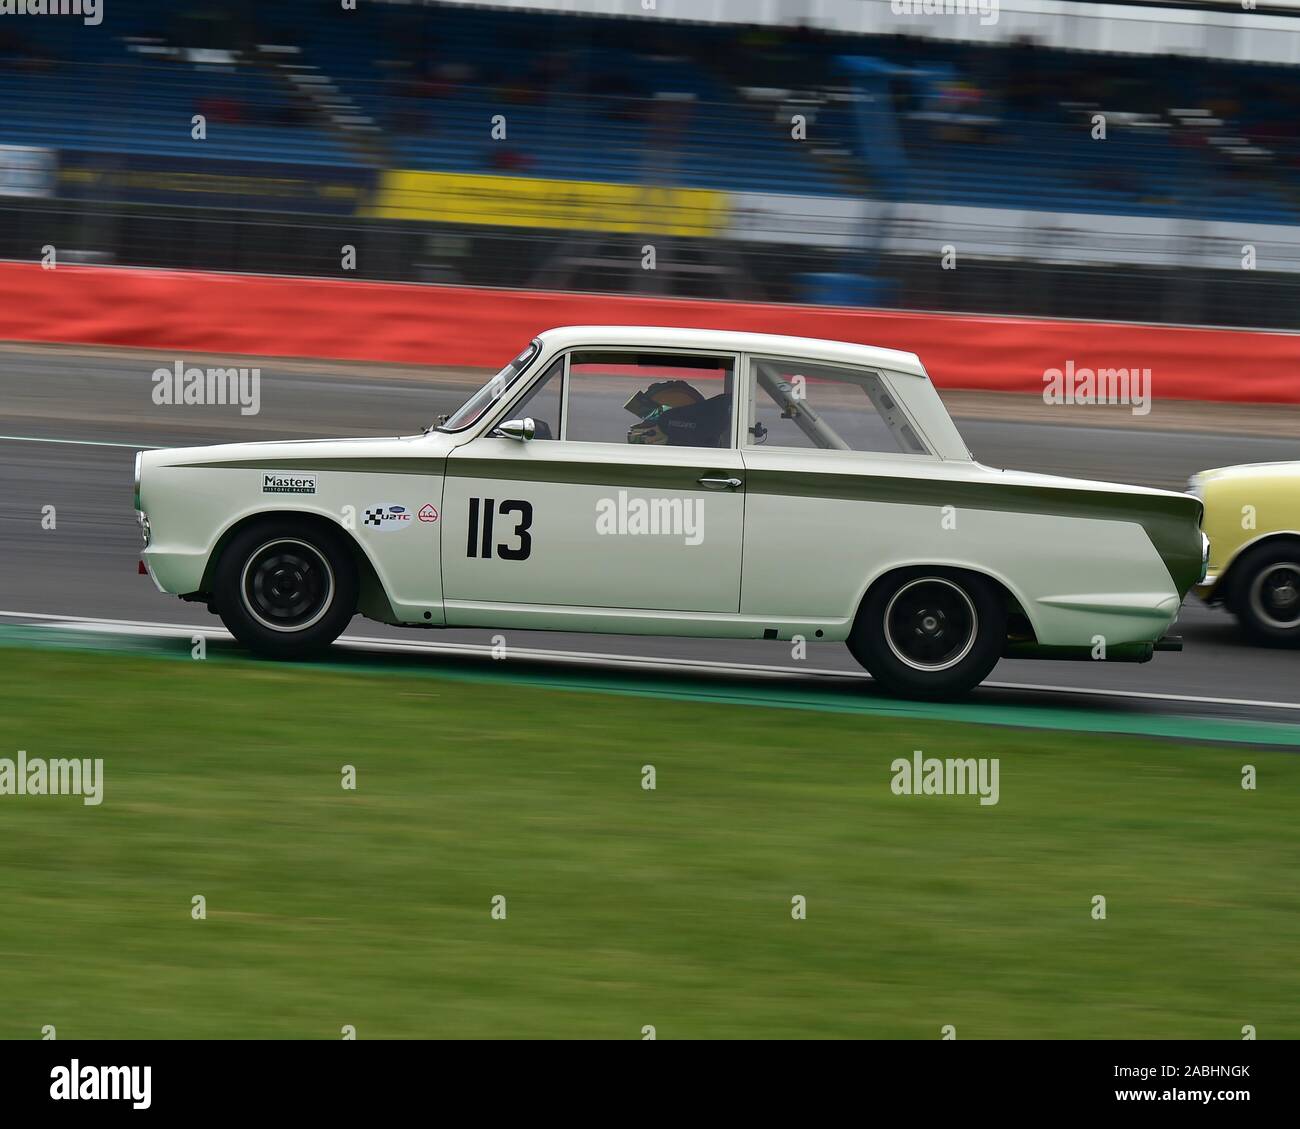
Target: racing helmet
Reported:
[(675, 413)]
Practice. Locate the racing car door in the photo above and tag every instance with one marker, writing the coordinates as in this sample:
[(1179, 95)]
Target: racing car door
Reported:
[(629, 495), (831, 456)]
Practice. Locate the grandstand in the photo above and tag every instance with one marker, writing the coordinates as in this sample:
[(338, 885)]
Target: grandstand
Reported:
[(825, 152)]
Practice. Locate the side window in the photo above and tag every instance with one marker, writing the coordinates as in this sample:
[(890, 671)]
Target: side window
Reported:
[(671, 399), (825, 407), (543, 403)]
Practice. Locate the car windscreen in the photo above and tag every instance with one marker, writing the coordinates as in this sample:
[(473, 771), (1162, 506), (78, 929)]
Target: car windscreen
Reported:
[(471, 411)]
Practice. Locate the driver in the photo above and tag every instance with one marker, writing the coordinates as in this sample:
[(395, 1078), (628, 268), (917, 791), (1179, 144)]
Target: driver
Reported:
[(676, 414)]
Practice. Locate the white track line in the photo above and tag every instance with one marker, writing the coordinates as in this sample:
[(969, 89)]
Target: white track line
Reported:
[(367, 643), (599, 658), (79, 442)]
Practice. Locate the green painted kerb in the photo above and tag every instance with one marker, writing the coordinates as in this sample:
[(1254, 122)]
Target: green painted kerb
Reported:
[(810, 696)]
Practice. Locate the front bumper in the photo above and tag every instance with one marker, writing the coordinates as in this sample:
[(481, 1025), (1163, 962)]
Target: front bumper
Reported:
[(175, 571), (148, 568), (1205, 589)]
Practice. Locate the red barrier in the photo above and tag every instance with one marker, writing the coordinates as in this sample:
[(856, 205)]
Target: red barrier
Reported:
[(261, 315)]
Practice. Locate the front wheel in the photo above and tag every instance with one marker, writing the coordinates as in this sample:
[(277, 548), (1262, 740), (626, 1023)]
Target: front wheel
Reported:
[(930, 633), (286, 588), (1266, 594)]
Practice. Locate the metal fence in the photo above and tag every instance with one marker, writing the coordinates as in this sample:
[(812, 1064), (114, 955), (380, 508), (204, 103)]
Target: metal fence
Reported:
[(345, 247)]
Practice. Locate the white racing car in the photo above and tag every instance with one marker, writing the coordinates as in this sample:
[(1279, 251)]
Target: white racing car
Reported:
[(642, 480)]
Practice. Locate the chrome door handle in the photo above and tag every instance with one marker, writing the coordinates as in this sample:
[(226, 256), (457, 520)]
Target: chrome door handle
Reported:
[(720, 483)]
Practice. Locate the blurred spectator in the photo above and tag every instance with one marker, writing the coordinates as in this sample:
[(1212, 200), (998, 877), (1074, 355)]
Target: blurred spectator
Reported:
[(503, 157)]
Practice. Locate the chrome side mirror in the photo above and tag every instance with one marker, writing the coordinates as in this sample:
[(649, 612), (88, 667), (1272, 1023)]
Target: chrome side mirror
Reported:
[(521, 429)]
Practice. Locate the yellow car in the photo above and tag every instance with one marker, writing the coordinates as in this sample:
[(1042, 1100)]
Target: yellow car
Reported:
[(1252, 517)]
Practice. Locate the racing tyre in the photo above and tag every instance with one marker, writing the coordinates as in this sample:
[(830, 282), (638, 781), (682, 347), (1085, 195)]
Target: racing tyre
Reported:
[(1266, 594), (286, 588), (930, 633)]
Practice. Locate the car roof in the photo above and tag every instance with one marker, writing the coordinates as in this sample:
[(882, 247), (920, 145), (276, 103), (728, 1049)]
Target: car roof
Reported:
[(652, 336)]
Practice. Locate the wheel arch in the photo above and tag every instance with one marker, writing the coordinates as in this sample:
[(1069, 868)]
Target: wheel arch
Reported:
[(1020, 625), (1223, 588), (372, 597)]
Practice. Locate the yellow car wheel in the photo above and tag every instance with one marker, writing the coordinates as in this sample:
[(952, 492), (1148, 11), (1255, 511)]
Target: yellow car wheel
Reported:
[(1265, 594)]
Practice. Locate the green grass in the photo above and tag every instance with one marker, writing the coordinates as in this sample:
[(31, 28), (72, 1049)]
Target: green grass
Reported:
[(625, 907)]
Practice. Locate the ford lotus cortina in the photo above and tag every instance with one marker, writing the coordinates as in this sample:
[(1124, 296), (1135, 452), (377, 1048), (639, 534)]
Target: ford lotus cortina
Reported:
[(640, 480)]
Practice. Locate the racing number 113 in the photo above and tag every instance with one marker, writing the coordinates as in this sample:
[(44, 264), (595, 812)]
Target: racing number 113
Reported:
[(479, 543)]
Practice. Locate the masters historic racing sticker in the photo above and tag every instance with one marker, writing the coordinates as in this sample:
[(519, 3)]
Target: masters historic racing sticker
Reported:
[(288, 483), (386, 519)]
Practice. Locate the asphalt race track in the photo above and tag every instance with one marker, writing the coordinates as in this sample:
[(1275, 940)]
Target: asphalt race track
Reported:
[(71, 419)]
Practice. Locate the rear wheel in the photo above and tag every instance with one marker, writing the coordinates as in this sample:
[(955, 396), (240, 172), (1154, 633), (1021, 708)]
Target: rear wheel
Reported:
[(930, 633), (286, 588), (1266, 594)]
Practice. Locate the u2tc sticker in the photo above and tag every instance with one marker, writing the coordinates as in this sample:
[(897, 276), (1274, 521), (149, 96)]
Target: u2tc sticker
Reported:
[(386, 519)]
